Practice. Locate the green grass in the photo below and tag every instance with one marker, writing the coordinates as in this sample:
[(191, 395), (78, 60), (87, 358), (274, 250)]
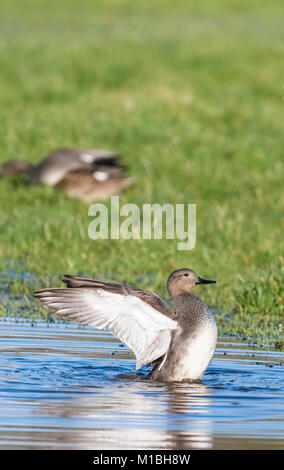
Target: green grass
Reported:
[(192, 96)]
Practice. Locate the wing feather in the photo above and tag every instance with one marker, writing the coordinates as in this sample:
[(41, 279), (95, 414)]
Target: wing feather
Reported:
[(136, 323)]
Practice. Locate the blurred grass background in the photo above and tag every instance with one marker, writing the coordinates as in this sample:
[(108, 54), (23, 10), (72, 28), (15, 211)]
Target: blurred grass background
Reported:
[(191, 94)]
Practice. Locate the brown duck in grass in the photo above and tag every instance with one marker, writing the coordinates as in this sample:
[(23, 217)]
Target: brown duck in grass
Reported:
[(87, 174)]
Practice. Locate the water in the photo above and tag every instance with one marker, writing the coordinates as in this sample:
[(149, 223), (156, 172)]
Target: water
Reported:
[(68, 387)]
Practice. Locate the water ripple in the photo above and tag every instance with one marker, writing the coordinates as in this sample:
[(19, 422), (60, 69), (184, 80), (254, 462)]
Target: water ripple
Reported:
[(68, 387)]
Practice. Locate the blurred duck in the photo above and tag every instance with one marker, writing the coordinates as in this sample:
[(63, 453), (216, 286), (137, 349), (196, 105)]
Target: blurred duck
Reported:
[(83, 173)]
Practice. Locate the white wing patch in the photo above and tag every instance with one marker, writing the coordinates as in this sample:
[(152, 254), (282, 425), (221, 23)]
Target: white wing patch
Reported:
[(143, 328), (100, 175), (86, 157)]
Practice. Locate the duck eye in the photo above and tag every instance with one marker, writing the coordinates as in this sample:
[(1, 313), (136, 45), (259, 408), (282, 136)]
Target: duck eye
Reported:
[(186, 274)]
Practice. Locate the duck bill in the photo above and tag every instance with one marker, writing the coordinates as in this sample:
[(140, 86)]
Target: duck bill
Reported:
[(204, 281)]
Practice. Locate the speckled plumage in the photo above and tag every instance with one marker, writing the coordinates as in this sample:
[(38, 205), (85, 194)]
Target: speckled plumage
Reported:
[(193, 343)]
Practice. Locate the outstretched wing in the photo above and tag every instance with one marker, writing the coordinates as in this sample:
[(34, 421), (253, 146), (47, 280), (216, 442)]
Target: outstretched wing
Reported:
[(135, 322), (149, 297)]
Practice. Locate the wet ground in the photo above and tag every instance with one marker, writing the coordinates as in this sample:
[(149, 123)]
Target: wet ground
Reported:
[(68, 387)]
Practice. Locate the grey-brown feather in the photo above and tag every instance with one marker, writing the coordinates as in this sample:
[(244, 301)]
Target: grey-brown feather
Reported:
[(149, 297)]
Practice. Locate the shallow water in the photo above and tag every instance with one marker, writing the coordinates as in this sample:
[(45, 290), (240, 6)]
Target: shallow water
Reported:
[(68, 387)]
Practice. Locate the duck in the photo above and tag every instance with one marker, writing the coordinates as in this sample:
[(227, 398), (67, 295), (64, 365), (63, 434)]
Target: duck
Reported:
[(88, 174), (177, 343)]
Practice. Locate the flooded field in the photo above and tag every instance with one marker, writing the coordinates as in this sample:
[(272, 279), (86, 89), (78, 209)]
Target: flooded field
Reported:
[(68, 387)]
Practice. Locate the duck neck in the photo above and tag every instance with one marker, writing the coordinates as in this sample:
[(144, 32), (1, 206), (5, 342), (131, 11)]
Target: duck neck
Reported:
[(191, 308), (31, 171), (181, 299)]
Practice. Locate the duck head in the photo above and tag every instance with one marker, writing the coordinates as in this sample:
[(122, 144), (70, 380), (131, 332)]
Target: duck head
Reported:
[(182, 280), (14, 167)]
